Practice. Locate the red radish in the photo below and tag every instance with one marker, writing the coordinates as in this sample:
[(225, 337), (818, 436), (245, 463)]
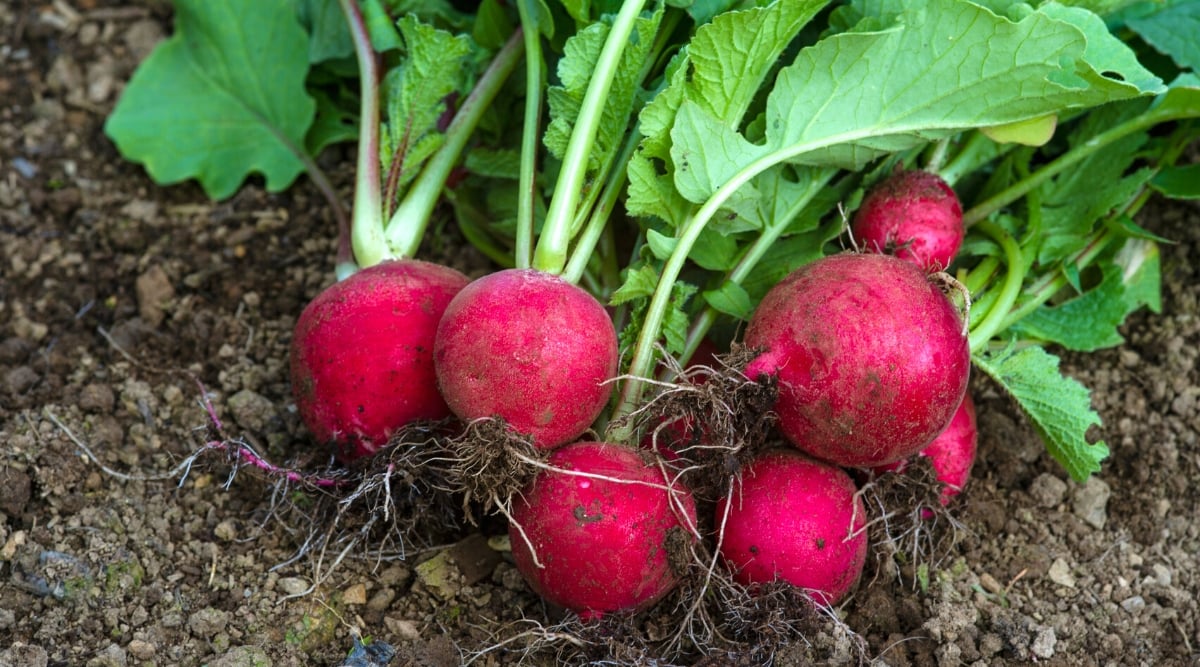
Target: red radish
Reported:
[(601, 543), (871, 357), (914, 215), (952, 453), (362, 354), (795, 519), (530, 348)]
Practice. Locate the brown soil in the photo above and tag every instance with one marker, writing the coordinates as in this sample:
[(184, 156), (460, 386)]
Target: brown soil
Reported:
[(123, 305)]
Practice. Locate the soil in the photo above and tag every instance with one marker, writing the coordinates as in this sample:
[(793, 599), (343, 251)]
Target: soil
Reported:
[(124, 306)]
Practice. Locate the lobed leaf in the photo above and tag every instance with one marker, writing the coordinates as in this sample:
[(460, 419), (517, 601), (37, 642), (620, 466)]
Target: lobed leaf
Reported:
[(1173, 31), (939, 68), (1059, 407), (416, 92), (217, 104), (575, 69)]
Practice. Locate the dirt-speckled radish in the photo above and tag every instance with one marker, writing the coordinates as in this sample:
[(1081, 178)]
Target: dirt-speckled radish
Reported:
[(871, 357), (597, 546), (792, 518), (952, 453), (914, 215), (530, 348), (362, 354)]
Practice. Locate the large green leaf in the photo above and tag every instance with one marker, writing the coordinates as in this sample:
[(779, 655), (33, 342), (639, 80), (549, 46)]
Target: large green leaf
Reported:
[(939, 68), (721, 70), (215, 103), (1059, 407), (1174, 31)]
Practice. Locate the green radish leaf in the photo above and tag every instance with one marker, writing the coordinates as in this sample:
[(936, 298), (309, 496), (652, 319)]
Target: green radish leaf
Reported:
[(1173, 31), (1141, 271), (660, 244), (639, 283), (675, 325), (334, 123), (1178, 182), (1071, 203), (714, 251), (1101, 7), (216, 104), (493, 25), (722, 69), (942, 67), (494, 162), (731, 299), (1059, 407), (416, 92), (329, 36), (1032, 132), (575, 72), (1087, 322)]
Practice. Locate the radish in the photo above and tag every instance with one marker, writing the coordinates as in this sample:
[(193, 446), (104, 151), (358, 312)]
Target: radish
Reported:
[(871, 358), (597, 546), (914, 215), (952, 453), (792, 518), (529, 348), (362, 354)]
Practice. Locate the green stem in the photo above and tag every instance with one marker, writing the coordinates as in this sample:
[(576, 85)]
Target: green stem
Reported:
[(1010, 289), (1049, 284), (978, 277), (603, 208), (1019, 189), (408, 223), (937, 157), (366, 230), (553, 243), (969, 157), (535, 76)]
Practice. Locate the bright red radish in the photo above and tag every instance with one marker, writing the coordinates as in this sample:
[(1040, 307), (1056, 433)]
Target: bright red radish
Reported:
[(792, 518), (362, 354), (871, 357), (914, 215), (602, 544), (530, 348), (952, 453)]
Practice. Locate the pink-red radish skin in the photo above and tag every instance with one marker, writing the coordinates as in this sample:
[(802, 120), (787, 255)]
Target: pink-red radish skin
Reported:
[(602, 544), (792, 518), (914, 215), (362, 354), (871, 357), (531, 349), (952, 453)]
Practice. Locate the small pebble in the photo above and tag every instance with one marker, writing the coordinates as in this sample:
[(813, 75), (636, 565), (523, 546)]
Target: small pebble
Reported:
[(140, 649), (1090, 502), (1060, 573), (1134, 604), (1047, 490), (292, 585), (1043, 644), (208, 622), (356, 594)]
